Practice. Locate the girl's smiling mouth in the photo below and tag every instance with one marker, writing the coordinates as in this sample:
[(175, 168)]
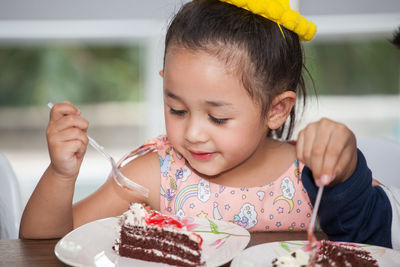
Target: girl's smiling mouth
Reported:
[(201, 156)]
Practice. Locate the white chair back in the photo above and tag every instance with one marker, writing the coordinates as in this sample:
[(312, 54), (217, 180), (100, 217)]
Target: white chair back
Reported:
[(383, 158), (10, 201)]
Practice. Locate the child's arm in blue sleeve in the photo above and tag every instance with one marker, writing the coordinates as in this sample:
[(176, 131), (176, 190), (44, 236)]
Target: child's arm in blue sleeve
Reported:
[(353, 211)]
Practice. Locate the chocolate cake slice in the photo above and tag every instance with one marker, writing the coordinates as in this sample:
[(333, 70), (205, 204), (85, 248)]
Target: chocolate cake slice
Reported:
[(329, 254), (339, 254), (151, 236)]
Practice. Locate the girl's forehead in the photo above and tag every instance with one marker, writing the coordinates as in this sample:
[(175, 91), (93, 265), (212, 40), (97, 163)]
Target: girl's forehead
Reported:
[(197, 76), (198, 66), (181, 61), (231, 57)]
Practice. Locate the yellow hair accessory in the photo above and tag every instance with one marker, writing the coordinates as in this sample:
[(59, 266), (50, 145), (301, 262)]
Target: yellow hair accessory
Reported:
[(280, 12)]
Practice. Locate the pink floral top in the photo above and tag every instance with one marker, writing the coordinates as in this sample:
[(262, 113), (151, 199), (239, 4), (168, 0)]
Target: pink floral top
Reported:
[(282, 205)]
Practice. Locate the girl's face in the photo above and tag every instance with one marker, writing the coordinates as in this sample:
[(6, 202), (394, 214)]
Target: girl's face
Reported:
[(210, 118)]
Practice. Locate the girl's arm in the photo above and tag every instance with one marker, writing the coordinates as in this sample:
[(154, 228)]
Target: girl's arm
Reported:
[(48, 212), (109, 200), (351, 208), (112, 200), (355, 210)]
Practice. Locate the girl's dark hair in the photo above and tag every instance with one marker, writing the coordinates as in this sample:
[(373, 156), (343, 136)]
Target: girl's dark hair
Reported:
[(267, 61)]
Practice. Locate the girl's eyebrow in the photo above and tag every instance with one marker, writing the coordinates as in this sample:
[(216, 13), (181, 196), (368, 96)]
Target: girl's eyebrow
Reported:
[(171, 95), (217, 103), (209, 103)]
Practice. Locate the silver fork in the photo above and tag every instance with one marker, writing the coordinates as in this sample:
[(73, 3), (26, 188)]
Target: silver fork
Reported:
[(119, 178)]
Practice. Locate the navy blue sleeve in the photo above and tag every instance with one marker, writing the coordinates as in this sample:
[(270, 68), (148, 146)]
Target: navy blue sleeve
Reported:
[(353, 211)]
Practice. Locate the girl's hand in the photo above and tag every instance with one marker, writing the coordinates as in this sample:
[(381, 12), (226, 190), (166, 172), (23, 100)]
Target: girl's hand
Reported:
[(66, 139), (329, 149)]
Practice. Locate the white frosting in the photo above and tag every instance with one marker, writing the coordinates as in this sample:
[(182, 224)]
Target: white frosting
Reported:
[(301, 259), (135, 215)]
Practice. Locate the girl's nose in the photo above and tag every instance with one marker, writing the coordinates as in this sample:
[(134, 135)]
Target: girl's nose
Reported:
[(195, 132)]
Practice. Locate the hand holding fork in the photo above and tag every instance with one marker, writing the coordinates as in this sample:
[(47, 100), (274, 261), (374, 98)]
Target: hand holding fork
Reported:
[(118, 177)]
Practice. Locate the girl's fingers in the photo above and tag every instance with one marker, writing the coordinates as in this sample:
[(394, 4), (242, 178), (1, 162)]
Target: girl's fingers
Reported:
[(81, 152), (67, 138), (332, 155), (62, 109), (70, 134), (320, 147), (70, 149), (64, 116), (347, 162), (67, 157), (68, 161), (68, 121), (308, 142), (329, 149), (339, 157)]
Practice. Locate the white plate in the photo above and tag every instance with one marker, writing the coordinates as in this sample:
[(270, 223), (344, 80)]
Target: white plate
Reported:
[(263, 254), (91, 244)]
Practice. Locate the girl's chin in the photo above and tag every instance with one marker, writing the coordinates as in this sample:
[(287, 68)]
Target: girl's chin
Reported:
[(205, 171)]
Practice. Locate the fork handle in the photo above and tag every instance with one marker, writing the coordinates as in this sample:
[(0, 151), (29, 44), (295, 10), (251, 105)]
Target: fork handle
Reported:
[(98, 147)]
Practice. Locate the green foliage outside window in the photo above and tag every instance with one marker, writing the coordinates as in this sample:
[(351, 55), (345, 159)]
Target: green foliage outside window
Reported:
[(78, 73), (354, 67)]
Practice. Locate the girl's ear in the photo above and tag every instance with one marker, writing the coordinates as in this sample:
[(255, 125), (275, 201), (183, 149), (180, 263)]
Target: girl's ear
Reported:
[(280, 109), (161, 73)]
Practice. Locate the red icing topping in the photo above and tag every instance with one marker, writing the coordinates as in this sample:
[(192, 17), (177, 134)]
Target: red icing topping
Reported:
[(157, 219), (160, 220)]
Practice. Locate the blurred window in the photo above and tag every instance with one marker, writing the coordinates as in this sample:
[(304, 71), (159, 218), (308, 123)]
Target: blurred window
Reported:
[(354, 67), (80, 73)]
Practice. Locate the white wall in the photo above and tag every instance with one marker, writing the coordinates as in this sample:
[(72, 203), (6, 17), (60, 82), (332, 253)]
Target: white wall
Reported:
[(162, 9), (87, 9)]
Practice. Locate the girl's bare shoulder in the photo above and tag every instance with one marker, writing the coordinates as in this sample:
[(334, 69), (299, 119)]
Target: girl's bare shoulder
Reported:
[(112, 200), (145, 170)]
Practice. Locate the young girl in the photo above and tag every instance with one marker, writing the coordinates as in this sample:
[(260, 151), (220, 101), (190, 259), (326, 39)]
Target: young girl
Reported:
[(232, 74)]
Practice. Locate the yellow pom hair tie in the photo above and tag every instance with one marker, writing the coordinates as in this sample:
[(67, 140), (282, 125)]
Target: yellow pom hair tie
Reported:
[(280, 12)]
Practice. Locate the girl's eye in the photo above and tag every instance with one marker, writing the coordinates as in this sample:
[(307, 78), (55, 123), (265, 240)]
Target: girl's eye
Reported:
[(217, 120), (177, 112)]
